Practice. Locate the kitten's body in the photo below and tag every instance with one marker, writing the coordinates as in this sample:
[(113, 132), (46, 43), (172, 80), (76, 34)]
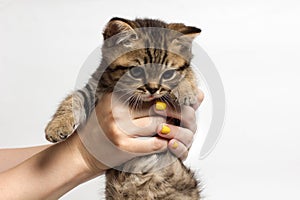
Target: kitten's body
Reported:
[(150, 63), (174, 182)]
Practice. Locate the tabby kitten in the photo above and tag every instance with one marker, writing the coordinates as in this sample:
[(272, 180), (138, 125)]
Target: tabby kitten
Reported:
[(147, 60)]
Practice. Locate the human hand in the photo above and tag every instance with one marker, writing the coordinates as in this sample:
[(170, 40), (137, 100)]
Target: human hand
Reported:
[(180, 138), (112, 135)]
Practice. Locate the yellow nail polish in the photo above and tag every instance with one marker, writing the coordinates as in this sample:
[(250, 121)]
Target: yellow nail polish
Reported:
[(165, 130), (175, 145), (160, 105)]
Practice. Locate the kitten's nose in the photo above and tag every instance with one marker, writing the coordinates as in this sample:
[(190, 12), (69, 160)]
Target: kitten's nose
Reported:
[(152, 88)]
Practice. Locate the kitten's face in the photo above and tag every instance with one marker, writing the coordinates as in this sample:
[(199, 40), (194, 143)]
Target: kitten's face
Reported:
[(149, 80), (147, 58)]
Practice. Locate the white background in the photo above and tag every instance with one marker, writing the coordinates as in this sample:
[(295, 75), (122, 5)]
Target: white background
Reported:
[(254, 44)]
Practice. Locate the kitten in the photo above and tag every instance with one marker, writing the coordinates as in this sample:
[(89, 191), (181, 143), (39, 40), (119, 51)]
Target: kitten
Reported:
[(147, 60)]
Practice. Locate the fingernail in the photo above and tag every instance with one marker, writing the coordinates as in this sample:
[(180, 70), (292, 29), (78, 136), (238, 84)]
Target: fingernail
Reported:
[(165, 130), (175, 145), (160, 105)]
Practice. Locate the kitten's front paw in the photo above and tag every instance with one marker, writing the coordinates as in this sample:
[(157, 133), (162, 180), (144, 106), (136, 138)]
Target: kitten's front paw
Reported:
[(59, 128), (188, 99)]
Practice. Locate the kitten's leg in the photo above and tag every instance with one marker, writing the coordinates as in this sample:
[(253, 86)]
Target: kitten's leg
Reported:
[(64, 120), (186, 92), (74, 110)]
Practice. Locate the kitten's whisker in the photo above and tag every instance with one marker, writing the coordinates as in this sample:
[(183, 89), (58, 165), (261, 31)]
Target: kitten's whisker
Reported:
[(122, 90), (125, 94), (170, 102), (165, 99), (140, 101), (136, 102)]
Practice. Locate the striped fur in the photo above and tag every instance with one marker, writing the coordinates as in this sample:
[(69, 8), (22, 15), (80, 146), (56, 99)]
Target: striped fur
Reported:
[(142, 60)]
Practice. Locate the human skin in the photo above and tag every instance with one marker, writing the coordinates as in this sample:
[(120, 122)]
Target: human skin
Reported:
[(48, 172), (12, 157)]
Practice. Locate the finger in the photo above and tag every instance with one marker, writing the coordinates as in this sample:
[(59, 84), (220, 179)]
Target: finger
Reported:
[(145, 146), (178, 149), (183, 135), (145, 126), (200, 97), (189, 118), (186, 116)]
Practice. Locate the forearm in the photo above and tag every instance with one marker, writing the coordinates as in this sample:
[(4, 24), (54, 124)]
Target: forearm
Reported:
[(12, 157), (46, 175)]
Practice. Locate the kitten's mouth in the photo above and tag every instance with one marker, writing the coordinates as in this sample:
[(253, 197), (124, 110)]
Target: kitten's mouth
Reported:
[(150, 97)]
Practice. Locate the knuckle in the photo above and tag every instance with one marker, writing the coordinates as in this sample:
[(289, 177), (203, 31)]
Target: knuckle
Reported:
[(189, 140), (114, 135), (121, 144), (189, 113), (160, 120), (192, 116), (190, 120), (184, 156), (114, 130), (157, 145), (200, 96), (194, 128)]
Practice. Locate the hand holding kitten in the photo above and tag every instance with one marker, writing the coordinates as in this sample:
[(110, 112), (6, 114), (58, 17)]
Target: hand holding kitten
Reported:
[(112, 137)]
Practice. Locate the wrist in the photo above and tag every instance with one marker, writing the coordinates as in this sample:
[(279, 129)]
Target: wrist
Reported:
[(71, 168), (87, 163)]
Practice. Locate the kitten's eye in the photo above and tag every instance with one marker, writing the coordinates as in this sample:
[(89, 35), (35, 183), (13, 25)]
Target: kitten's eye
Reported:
[(137, 72), (168, 74)]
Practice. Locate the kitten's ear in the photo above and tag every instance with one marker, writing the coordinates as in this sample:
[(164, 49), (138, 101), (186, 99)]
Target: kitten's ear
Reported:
[(189, 32), (122, 30), (183, 40)]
